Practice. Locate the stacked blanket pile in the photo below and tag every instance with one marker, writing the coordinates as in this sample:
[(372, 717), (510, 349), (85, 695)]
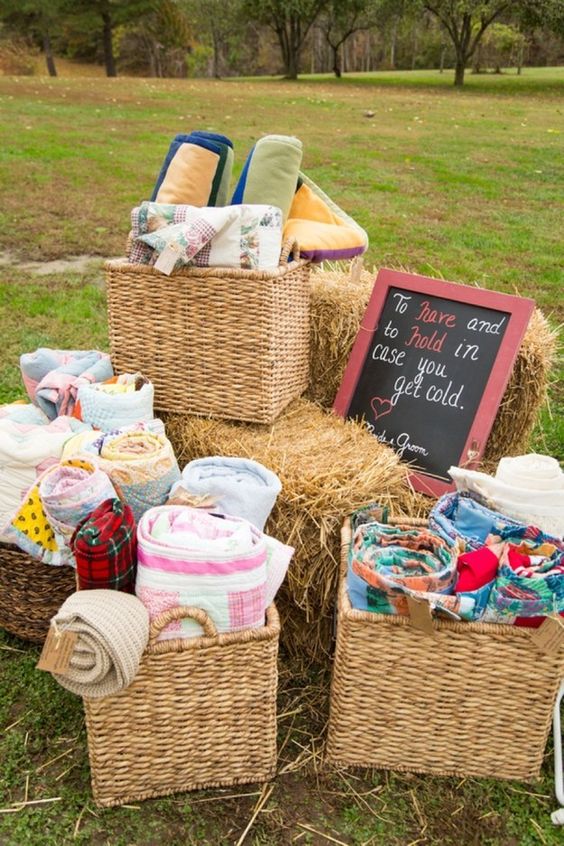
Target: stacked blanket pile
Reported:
[(188, 220), (246, 236), (224, 565), (492, 566)]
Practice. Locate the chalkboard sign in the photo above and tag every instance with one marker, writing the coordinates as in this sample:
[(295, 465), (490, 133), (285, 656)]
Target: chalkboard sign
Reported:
[(428, 370)]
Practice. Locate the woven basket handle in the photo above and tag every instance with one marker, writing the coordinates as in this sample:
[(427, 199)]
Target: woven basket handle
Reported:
[(290, 245), (181, 613)]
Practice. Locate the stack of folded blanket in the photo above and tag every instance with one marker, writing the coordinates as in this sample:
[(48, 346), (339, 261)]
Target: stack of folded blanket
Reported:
[(188, 220), (474, 561), (222, 564), (246, 236)]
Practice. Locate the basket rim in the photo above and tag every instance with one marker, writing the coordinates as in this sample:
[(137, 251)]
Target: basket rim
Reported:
[(347, 612), (269, 631), (122, 265)]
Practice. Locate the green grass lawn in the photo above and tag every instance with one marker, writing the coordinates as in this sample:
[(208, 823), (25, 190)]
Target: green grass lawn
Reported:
[(462, 184)]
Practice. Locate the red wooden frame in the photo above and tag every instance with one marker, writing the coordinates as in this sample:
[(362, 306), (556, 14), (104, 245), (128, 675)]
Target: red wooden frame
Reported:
[(519, 310)]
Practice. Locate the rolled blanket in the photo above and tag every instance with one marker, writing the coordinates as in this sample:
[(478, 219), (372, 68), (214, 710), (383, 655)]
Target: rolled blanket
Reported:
[(219, 195), (142, 466), (322, 230), (239, 487), (221, 564), (270, 174), (61, 498), (105, 548), (529, 488), (122, 401), (27, 449), (388, 563), (52, 377), (196, 170), (459, 518), (244, 236), (113, 631)]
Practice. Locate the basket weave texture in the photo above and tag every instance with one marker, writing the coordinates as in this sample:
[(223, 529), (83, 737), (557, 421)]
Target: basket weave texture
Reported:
[(474, 700), (201, 712), (31, 592), (220, 342)]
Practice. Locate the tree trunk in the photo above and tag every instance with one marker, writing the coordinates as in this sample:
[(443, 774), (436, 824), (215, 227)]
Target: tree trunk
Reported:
[(49, 55), (442, 64), (216, 56), (393, 44), (292, 64), (459, 71), (107, 42), (336, 62), (520, 52)]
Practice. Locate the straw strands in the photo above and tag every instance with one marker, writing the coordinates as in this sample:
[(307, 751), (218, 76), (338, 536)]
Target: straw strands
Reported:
[(338, 303), (328, 467)]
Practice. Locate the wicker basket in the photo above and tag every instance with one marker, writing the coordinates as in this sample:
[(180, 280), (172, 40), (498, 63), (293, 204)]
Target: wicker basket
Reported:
[(30, 593), (474, 700), (217, 342), (201, 712)]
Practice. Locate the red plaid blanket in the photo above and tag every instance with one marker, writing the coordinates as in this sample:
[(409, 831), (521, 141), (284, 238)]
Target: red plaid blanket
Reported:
[(105, 548)]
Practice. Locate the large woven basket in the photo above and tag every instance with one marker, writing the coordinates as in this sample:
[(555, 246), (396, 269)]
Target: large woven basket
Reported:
[(218, 342), (475, 699), (30, 593), (201, 712)]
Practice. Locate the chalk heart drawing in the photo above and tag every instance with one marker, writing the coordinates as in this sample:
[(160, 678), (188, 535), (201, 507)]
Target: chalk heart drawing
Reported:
[(380, 406)]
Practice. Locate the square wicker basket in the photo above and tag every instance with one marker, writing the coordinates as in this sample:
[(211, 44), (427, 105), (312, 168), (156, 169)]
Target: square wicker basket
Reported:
[(475, 699), (201, 712), (219, 342)]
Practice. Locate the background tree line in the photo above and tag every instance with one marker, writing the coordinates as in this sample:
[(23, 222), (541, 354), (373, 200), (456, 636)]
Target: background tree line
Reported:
[(247, 37)]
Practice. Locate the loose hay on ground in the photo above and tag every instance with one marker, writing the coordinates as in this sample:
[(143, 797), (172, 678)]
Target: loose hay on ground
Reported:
[(337, 306), (328, 467)]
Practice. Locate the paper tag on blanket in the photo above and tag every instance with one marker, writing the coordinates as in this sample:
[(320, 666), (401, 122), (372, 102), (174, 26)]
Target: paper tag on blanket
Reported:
[(420, 615), (166, 262), (57, 651), (549, 637)]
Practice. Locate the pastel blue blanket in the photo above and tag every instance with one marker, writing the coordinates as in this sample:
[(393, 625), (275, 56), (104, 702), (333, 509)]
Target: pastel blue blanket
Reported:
[(240, 487)]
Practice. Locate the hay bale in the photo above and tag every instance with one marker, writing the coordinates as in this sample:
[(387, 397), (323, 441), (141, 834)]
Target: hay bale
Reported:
[(337, 306), (328, 467)]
